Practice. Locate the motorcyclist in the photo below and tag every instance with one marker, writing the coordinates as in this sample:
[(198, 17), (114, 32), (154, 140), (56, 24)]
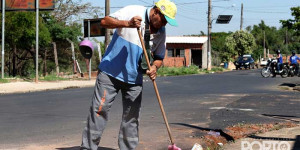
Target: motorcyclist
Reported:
[(293, 61), (279, 61)]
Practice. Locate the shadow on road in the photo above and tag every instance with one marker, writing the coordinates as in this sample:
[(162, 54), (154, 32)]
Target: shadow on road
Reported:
[(288, 84), (223, 134), (78, 148), (284, 117)]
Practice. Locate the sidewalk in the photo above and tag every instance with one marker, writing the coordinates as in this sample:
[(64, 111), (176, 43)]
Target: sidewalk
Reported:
[(24, 87), (283, 139)]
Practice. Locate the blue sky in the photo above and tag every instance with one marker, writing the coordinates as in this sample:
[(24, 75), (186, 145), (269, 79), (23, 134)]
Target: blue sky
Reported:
[(192, 14)]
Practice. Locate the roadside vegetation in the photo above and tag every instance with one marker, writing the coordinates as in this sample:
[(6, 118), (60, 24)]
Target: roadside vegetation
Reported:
[(53, 78), (4, 81), (193, 69)]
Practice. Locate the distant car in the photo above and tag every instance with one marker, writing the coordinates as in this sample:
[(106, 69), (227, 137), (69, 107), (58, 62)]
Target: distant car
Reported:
[(263, 61), (245, 61)]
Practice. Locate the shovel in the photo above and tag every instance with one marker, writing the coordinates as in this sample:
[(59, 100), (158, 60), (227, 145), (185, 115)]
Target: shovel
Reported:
[(173, 146)]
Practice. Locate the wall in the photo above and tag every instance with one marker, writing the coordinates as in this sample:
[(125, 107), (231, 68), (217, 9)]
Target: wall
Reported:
[(180, 61), (174, 62)]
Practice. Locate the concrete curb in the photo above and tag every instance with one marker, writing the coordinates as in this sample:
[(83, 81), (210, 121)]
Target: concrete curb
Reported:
[(25, 87)]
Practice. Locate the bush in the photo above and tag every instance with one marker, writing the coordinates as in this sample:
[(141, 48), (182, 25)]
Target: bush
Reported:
[(174, 71)]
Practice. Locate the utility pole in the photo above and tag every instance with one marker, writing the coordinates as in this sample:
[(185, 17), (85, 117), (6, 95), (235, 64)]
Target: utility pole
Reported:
[(3, 39), (107, 31), (265, 44), (286, 38), (37, 43), (286, 43), (241, 27), (208, 36)]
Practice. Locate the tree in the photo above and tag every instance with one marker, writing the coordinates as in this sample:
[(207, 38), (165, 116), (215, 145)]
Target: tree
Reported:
[(238, 43), (293, 24), (268, 36), (59, 32), (64, 22), (74, 10), (217, 45), (20, 41)]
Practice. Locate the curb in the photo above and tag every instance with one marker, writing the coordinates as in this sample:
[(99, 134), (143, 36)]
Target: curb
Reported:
[(27, 87)]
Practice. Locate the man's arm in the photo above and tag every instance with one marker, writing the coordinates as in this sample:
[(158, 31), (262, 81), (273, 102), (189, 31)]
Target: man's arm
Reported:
[(111, 23), (152, 72), (278, 56)]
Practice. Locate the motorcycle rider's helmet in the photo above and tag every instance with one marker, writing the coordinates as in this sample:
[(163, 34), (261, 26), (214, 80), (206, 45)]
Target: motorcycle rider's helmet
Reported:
[(293, 52), (278, 51)]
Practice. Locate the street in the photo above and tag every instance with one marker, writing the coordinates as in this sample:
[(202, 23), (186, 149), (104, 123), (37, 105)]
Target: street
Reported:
[(55, 119)]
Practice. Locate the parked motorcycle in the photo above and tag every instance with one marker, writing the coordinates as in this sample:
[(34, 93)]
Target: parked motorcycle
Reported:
[(270, 69)]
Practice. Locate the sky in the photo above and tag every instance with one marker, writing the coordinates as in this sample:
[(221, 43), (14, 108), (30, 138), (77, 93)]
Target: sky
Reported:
[(192, 14)]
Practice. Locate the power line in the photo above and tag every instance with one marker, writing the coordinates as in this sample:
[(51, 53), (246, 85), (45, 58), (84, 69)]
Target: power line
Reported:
[(199, 2), (193, 19), (252, 11), (178, 4), (255, 11), (145, 2), (272, 6)]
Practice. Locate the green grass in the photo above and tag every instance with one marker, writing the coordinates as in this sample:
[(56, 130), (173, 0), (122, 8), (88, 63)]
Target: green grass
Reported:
[(52, 78), (176, 71), (4, 81), (217, 69)]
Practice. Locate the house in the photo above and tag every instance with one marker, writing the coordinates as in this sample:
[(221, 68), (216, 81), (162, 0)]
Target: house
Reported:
[(185, 51)]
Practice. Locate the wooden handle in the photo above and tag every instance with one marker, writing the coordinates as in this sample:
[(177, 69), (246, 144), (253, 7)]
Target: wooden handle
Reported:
[(155, 87)]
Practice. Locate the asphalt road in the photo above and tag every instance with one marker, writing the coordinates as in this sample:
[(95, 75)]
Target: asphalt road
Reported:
[(55, 119)]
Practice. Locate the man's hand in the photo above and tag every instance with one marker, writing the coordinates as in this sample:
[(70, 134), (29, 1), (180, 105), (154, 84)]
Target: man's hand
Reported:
[(135, 22), (152, 72)]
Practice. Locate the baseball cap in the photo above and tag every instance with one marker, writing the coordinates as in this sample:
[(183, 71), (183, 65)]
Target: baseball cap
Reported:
[(169, 10)]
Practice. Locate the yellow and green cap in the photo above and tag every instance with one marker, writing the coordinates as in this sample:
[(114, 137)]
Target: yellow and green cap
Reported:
[(169, 10)]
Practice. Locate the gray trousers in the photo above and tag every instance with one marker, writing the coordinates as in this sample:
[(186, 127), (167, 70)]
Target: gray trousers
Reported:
[(106, 89)]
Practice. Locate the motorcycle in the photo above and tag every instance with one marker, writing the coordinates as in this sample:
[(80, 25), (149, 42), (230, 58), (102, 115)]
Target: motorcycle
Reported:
[(292, 70), (270, 69)]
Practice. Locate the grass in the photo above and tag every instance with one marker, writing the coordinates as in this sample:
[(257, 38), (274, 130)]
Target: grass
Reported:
[(176, 71), (4, 81), (31, 79), (52, 78)]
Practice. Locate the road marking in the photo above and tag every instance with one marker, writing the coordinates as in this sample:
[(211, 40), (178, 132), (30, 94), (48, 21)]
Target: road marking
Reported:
[(240, 109)]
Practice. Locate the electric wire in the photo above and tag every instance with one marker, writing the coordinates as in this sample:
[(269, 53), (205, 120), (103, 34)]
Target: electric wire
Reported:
[(194, 10)]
